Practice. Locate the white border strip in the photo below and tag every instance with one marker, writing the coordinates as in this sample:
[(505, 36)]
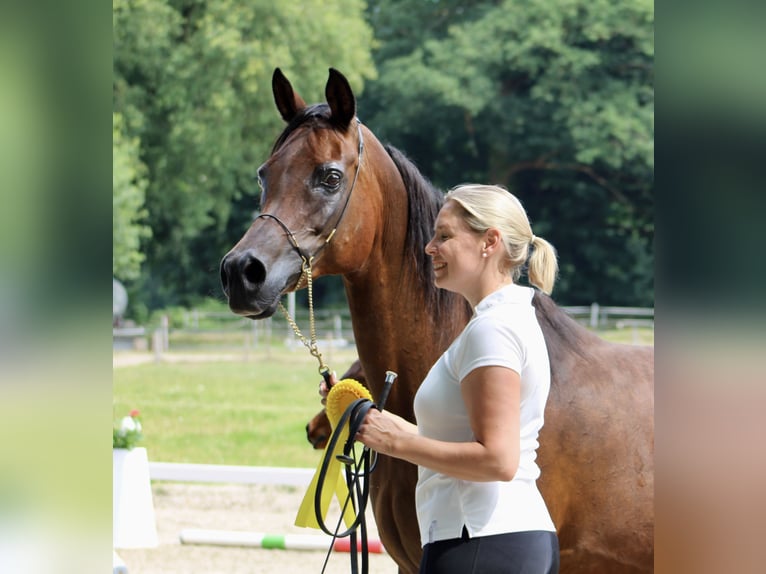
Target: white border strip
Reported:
[(187, 472)]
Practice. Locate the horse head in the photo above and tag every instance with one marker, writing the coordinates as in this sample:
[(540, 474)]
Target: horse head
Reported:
[(307, 185)]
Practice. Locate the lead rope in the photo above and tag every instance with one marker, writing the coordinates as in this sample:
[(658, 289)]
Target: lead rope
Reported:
[(358, 494), (311, 345)]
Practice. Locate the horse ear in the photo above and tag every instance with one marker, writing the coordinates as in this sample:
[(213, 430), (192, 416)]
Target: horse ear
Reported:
[(340, 98), (288, 102)]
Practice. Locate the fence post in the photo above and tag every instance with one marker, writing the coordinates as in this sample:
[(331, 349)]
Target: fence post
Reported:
[(164, 322), (157, 344), (594, 315), (338, 327)]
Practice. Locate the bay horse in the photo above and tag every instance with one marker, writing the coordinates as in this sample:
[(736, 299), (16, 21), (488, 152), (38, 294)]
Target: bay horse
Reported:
[(335, 200)]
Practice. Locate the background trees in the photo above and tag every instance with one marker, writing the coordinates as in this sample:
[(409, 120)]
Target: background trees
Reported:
[(128, 196), (551, 98)]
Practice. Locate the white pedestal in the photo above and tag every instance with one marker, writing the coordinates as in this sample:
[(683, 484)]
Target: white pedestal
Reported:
[(133, 524)]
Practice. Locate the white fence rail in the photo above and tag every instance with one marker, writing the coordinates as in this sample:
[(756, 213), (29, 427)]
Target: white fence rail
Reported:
[(188, 472), (598, 317)]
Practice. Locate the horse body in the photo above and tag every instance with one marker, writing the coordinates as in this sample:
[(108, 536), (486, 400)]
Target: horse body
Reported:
[(596, 451), (596, 448)]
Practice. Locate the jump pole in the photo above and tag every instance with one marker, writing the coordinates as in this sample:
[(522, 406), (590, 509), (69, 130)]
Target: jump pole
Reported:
[(273, 541)]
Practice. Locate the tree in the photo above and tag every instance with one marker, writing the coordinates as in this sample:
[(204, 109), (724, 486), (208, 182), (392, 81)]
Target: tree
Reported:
[(128, 188), (192, 79), (553, 100)]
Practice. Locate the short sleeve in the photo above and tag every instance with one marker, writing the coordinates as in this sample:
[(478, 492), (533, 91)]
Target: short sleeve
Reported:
[(488, 342)]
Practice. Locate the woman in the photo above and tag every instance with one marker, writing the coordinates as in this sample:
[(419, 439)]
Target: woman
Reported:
[(480, 408)]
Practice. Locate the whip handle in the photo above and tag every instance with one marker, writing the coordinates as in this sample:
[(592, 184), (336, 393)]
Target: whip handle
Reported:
[(390, 378)]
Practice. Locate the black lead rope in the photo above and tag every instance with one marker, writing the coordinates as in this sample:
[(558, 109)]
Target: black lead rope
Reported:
[(357, 480), (358, 494)]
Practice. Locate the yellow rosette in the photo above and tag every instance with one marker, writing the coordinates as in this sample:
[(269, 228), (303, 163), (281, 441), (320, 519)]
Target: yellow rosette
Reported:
[(341, 395)]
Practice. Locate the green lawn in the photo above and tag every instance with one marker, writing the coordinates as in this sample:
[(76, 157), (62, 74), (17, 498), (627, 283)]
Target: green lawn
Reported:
[(243, 413), (248, 413)]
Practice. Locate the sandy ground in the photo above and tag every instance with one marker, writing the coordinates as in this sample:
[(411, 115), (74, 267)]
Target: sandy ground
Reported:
[(252, 508)]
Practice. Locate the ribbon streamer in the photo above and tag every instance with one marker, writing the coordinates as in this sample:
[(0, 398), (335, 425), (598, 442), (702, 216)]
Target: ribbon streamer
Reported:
[(341, 395)]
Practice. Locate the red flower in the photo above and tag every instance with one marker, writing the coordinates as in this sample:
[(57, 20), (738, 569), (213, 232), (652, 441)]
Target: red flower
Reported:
[(134, 413)]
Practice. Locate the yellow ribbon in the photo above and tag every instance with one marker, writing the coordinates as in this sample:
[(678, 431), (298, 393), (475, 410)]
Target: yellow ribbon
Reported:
[(341, 395)]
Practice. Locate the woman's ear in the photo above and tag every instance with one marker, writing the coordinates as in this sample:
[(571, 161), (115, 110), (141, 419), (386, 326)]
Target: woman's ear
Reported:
[(492, 239)]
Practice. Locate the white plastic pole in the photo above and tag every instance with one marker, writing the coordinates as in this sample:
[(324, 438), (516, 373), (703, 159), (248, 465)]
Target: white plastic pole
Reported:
[(271, 541)]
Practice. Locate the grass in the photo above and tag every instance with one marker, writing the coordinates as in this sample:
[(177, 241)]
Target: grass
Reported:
[(631, 336), (242, 413)]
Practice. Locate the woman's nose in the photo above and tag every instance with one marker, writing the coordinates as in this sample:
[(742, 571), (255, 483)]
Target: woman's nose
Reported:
[(429, 248)]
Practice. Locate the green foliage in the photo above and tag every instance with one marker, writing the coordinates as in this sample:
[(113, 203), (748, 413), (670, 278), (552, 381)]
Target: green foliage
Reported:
[(128, 189), (125, 439), (128, 433), (553, 100)]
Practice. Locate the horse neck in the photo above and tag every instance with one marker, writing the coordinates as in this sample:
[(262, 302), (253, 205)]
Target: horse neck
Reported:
[(394, 327), (392, 333)]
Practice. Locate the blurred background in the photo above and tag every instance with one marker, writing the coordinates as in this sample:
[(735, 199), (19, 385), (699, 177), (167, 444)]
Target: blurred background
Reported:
[(553, 99)]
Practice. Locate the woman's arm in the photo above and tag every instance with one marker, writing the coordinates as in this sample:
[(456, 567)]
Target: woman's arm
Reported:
[(492, 397)]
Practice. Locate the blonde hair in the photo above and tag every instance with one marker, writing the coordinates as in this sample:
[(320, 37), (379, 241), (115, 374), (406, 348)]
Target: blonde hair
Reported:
[(494, 207)]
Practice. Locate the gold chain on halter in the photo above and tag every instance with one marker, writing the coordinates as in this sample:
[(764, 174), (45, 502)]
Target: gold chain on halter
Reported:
[(312, 344)]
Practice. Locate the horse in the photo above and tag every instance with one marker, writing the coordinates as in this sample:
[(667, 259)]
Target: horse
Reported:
[(337, 201)]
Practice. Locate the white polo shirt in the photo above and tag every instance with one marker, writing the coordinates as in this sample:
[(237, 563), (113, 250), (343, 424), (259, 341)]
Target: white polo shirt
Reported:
[(503, 332)]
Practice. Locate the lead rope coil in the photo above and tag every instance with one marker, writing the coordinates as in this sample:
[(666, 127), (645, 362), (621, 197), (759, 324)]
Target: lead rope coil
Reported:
[(354, 416), (358, 494)]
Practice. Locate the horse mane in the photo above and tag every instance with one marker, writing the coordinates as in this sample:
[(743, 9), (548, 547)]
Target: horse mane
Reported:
[(562, 333), (423, 205)]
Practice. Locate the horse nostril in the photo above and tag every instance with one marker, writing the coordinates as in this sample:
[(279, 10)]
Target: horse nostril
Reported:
[(253, 270), (224, 277)]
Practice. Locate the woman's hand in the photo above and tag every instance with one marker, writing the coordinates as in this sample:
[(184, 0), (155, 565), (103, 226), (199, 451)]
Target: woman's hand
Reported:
[(324, 389), (383, 431)]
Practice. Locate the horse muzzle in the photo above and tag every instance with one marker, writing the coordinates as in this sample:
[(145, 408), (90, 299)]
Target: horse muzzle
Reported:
[(249, 288)]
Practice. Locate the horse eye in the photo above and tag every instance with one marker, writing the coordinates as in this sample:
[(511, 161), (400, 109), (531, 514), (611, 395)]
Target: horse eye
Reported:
[(332, 179)]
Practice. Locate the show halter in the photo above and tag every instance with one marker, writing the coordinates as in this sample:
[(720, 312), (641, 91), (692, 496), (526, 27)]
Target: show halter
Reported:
[(307, 260)]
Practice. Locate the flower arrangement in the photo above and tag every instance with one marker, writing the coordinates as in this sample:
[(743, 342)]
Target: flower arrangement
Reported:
[(128, 433)]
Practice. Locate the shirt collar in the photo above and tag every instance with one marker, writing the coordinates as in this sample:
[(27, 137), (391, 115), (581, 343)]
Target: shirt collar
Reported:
[(508, 295)]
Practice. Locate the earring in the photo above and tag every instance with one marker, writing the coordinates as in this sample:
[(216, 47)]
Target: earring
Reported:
[(484, 254)]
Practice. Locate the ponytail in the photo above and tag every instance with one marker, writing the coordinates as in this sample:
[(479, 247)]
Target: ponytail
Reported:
[(543, 265)]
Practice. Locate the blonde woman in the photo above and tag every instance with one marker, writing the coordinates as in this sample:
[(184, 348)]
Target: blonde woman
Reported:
[(480, 408)]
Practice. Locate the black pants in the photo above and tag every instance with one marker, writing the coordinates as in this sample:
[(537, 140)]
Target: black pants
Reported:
[(533, 552)]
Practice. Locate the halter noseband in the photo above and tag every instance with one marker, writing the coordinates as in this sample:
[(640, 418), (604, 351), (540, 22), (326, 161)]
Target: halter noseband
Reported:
[(307, 259)]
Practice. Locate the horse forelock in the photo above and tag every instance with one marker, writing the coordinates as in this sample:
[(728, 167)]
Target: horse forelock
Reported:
[(318, 114)]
